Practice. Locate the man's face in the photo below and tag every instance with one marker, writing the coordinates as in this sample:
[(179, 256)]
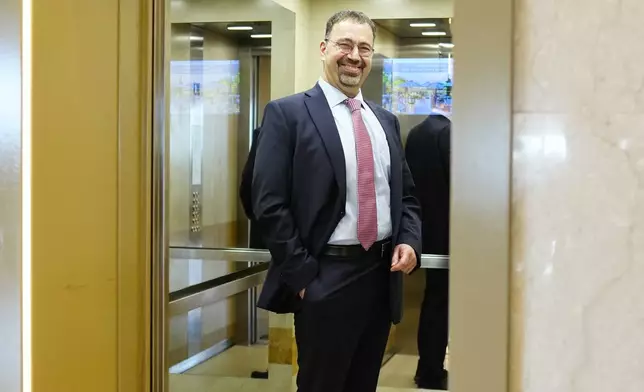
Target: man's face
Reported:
[(347, 55)]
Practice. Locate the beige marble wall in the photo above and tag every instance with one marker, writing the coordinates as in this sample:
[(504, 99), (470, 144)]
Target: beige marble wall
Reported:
[(578, 200)]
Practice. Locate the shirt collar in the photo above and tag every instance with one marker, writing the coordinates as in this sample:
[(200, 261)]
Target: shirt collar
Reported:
[(441, 112), (334, 96)]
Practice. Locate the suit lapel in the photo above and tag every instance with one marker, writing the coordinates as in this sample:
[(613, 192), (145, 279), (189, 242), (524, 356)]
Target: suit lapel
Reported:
[(389, 127), (322, 116), (395, 150)]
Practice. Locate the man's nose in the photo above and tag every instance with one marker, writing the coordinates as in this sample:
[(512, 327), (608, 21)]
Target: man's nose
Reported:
[(354, 54)]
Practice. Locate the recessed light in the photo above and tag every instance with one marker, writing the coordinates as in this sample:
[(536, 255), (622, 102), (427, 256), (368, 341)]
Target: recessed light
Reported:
[(195, 38), (240, 28), (261, 35), (446, 45), (434, 33), (422, 25)]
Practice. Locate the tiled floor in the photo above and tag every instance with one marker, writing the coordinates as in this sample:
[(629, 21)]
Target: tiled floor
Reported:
[(237, 361), (195, 383), (230, 372), (399, 372)]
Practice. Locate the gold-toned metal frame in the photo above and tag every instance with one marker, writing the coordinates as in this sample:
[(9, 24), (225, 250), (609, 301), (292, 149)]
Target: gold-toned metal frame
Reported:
[(134, 323), (159, 161), (133, 203)]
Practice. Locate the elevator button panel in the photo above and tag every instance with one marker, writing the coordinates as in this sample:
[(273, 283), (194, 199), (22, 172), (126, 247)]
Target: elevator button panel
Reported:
[(195, 213)]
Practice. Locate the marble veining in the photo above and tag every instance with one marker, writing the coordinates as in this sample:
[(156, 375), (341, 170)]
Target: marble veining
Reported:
[(578, 196)]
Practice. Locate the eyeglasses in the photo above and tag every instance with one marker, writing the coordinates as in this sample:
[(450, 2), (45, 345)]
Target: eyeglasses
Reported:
[(346, 47)]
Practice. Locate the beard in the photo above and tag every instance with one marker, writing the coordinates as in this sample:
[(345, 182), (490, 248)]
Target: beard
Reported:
[(349, 78)]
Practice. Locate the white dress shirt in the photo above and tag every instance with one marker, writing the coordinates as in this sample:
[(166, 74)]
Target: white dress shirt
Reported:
[(346, 233)]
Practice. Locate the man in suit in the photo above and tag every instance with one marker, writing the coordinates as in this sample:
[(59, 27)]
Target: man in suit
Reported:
[(428, 154), (333, 196)]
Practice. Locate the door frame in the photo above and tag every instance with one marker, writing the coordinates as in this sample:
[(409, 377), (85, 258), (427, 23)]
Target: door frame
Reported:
[(481, 197)]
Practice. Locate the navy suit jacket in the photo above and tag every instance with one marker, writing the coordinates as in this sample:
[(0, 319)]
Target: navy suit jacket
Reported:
[(428, 155), (255, 239), (299, 193)]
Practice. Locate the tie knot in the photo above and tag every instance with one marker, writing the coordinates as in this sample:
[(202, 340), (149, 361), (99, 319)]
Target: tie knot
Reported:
[(353, 104)]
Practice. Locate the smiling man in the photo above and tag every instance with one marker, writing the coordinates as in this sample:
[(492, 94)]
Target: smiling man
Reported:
[(332, 194)]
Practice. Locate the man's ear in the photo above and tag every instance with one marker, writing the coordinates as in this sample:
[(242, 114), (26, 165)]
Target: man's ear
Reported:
[(323, 48)]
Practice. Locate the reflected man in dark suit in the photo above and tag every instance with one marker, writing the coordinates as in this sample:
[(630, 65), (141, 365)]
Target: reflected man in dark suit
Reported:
[(428, 153), (255, 238), (333, 196)]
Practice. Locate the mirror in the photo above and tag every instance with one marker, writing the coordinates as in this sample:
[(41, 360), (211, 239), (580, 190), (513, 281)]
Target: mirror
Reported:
[(412, 76)]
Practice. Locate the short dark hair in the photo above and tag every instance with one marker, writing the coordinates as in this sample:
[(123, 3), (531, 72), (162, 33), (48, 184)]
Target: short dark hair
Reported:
[(356, 16)]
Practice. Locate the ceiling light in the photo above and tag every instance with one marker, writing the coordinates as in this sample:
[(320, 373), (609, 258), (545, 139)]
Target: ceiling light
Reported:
[(261, 35), (434, 33), (446, 45), (195, 38), (240, 28), (422, 25)]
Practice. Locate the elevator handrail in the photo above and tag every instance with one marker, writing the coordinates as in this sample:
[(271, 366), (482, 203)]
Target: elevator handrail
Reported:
[(262, 256), (214, 290)]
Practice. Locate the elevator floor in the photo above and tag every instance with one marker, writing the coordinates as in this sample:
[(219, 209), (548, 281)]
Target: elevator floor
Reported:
[(196, 383), (238, 362)]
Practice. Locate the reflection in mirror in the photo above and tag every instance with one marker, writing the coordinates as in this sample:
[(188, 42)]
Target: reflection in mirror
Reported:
[(412, 77), (219, 82)]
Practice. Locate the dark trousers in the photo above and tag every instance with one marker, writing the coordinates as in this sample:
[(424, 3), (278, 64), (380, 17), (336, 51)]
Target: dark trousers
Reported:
[(433, 330), (343, 325)]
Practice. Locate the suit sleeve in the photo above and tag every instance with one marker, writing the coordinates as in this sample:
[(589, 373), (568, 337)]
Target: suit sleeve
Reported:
[(247, 179), (444, 146), (271, 195), (410, 223), (414, 155)]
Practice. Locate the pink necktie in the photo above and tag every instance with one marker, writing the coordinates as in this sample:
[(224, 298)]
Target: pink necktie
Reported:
[(367, 211)]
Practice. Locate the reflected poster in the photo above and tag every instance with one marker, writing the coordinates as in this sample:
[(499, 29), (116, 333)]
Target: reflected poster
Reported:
[(418, 86), (214, 82)]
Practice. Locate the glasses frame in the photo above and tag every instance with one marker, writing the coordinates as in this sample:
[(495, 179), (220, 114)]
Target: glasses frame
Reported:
[(337, 44)]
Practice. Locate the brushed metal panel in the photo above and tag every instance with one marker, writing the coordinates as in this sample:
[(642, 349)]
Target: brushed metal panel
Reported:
[(480, 212), (133, 195), (10, 195)]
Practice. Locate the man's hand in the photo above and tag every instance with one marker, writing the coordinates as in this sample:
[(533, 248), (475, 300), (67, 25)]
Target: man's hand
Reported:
[(403, 259), (302, 293)]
